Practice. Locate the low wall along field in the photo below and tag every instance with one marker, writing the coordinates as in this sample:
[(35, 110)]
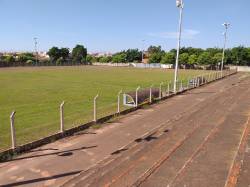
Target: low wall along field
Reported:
[(36, 94)]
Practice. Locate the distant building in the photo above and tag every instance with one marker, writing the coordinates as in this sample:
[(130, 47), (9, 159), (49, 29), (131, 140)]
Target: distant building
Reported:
[(99, 54), (42, 54), (145, 57)]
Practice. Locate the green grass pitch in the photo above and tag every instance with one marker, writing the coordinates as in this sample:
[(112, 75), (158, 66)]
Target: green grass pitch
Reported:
[(36, 93)]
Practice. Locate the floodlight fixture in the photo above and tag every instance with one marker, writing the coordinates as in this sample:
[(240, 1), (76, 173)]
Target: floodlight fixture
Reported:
[(179, 3)]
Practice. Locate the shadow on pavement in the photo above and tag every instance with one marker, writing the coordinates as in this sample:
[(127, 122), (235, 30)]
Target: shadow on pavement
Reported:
[(58, 153), (118, 151), (41, 179), (197, 93)]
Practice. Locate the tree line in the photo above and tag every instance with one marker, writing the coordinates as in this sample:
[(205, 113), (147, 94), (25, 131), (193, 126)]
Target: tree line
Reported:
[(189, 57), (57, 57)]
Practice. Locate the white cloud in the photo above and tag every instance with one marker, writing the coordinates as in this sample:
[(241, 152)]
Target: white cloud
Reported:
[(186, 34)]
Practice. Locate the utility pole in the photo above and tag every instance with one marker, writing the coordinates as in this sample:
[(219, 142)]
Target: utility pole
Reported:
[(180, 5)]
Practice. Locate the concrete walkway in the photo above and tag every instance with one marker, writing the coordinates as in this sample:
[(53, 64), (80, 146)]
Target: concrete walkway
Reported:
[(198, 149), (80, 155)]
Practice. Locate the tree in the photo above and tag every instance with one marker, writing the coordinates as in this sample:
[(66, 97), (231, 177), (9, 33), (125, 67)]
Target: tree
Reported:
[(119, 58), (217, 58), (192, 60), (54, 54), (133, 55), (79, 54), (25, 57), (240, 56), (105, 59), (191, 50), (89, 59), (168, 58), (59, 61), (9, 60), (64, 53), (155, 54), (154, 49), (214, 51), (155, 58), (184, 58), (204, 58)]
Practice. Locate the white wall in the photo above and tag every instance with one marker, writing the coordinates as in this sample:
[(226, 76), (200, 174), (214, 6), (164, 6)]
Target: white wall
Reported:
[(241, 68)]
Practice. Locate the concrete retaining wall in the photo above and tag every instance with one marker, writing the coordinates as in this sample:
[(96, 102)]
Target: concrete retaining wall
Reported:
[(112, 64), (241, 68)]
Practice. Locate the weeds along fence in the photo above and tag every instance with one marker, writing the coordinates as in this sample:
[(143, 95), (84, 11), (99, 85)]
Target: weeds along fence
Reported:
[(64, 117)]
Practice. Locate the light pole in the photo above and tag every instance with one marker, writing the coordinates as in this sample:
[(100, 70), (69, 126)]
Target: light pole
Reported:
[(226, 25), (180, 5), (35, 42)]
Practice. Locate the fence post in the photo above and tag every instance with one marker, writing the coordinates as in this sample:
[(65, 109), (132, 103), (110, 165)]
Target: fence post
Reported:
[(62, 117), (170, 85), (188, 80), (150, 93), (95, 107), (181, 89), (136, 96), (160, 91), (168, 88), (118, 102), (13, 132)]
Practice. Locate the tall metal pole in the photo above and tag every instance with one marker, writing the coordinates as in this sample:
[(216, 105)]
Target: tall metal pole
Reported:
[(180, 5), (224, 48), (35, 41)]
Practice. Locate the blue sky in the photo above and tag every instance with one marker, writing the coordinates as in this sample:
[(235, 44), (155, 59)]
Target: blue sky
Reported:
[(113, 25)]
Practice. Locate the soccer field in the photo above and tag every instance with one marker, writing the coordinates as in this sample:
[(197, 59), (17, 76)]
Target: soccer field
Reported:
[(36, 93)]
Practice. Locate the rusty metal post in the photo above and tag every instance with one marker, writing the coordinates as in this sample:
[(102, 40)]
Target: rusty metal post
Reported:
[(95, 108), (118, 102), (13, 131), (62, 117)]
